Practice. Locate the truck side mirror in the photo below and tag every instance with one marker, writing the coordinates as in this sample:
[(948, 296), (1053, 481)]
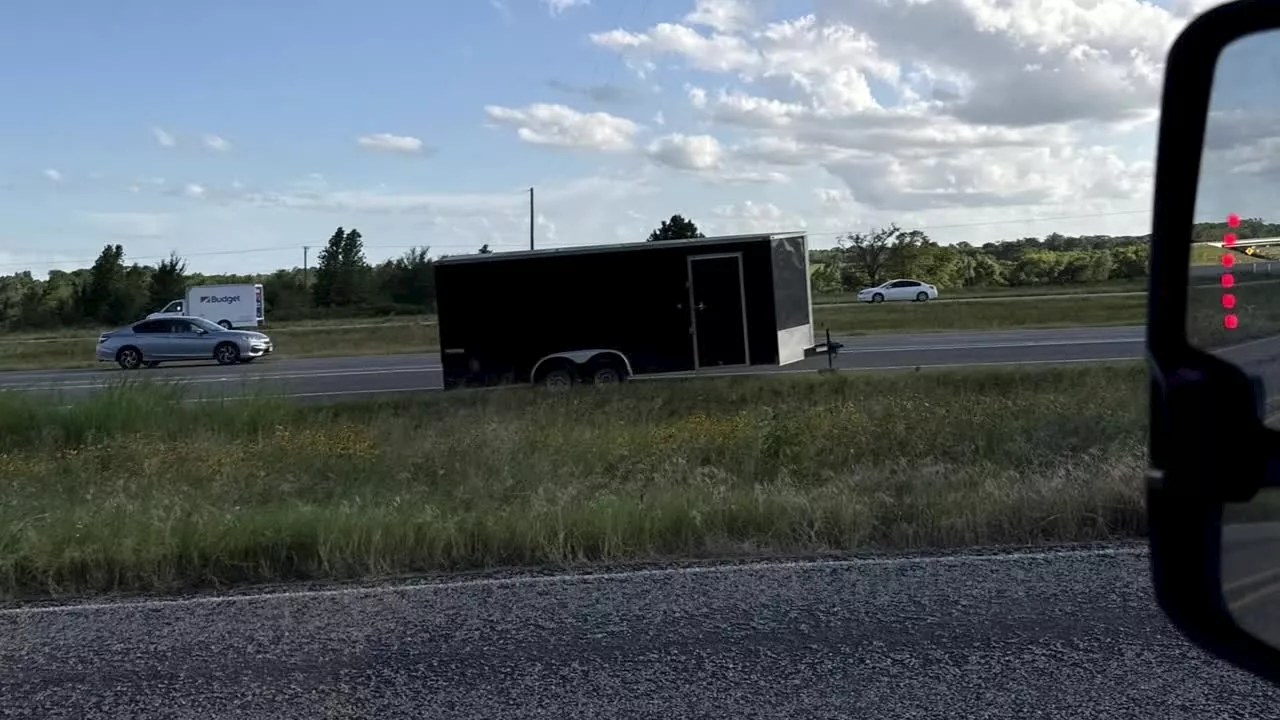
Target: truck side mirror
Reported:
[(1213, 338)]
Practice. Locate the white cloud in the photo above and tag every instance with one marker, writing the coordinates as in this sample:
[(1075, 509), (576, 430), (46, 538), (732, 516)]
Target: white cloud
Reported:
[(193, 190), (555, 7), (52, 174), (217, 144), (163, 137), (697, 152), (562, 126), (724, 15), (924, 105), (391, 143)]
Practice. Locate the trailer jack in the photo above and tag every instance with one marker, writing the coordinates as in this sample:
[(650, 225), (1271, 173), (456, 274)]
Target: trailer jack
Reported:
[(828, 348)]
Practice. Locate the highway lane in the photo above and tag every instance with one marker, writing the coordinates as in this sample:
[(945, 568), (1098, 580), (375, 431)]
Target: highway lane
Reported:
[(1037, 635), (325, 378)]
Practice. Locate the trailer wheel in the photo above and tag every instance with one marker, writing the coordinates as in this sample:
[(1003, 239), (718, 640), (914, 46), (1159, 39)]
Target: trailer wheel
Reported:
[(558, 379), (226, 324), (606, 375)]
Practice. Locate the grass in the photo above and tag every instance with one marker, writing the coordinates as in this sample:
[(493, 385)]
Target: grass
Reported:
[(1111, 286), (1257, 310), (129, 493), (1063, 311)]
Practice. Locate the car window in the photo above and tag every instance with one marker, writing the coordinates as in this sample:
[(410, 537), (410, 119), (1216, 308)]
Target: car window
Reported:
[(206, 325), (175, 306), (909, 283), (181, 326), (152, 326)]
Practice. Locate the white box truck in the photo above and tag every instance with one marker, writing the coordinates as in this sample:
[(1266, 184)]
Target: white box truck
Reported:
[(231, 306)]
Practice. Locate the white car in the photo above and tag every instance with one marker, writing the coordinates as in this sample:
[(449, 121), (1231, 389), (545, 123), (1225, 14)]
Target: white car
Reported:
[(895, 290)]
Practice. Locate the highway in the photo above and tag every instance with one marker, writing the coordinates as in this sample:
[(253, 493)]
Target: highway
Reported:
[(1056, 634), (348, 377)]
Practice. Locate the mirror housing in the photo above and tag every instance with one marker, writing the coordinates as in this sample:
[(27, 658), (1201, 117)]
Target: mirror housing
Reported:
[(1187, 487)]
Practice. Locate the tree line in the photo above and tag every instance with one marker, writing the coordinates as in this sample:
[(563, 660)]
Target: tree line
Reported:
[(344, 283)]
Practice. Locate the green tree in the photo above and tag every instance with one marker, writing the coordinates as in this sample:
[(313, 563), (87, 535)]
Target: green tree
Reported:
[(342, 274), (168, 281), (106, 280), (677, 228), (866, 256)]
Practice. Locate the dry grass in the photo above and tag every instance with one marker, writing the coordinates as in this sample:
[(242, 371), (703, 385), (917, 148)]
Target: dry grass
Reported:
[(127, 492)]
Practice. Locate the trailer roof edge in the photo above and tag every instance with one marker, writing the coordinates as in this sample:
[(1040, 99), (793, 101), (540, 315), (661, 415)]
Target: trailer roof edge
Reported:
[(617, 247)]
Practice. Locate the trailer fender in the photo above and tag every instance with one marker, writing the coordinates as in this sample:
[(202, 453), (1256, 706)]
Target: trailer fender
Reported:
[(580, 358)]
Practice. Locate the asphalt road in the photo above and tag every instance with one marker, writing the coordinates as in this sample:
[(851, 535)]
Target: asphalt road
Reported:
[(1046, 635), (328, 378)]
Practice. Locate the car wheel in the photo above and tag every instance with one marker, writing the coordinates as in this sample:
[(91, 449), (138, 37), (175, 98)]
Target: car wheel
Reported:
[(877, 298), (922, 297), (227, 353), (129, 358), (226, 324)]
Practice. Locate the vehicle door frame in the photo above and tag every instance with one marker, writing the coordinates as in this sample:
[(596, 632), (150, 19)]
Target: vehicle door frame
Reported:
[(182, 340), (742, 298)]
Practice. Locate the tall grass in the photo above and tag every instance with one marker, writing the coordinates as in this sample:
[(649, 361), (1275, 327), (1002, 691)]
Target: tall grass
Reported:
[(132, 492)]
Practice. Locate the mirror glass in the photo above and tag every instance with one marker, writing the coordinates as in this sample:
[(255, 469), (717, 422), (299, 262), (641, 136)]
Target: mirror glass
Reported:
[(1233, 302)]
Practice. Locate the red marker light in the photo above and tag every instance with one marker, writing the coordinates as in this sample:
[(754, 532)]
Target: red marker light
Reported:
[(1230, 239), (1228, 301), (1228, 280), (1233, 220), (1228, 260), (1231, 322)]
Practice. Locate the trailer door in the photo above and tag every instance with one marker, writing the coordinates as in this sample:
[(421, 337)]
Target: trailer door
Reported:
[(718, 306)]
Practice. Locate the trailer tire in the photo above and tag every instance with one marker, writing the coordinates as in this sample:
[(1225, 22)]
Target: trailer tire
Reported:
[(607, 370), (226, 324), (559, 379)]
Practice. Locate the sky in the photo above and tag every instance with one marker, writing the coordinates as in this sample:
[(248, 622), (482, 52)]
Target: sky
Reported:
[(236, 133)]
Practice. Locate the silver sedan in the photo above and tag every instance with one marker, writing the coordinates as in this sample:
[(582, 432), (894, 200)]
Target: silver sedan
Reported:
[(151, 342)]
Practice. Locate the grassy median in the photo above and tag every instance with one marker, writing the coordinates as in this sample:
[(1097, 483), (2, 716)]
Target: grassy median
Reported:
[(128, 492)]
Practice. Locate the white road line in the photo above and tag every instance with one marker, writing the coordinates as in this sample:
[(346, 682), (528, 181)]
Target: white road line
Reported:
[(198, 380), (854, 369), (990, 346), (587, 577), (328, 393)]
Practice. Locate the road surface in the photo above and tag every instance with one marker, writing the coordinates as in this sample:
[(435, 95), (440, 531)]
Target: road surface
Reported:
[(328, 378), (1044, 635)]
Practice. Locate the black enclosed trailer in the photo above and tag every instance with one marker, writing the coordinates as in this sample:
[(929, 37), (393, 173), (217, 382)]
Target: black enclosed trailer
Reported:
[(606, 312)]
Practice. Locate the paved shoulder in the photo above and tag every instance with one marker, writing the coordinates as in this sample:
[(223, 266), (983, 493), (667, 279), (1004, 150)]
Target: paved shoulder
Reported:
[(1054, 635)]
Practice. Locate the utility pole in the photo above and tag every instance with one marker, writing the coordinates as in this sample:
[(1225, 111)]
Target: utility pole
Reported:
[(305, 278), (530, 218)]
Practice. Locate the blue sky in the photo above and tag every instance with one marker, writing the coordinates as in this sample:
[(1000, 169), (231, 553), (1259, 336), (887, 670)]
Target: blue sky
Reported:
[(260, 107)]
